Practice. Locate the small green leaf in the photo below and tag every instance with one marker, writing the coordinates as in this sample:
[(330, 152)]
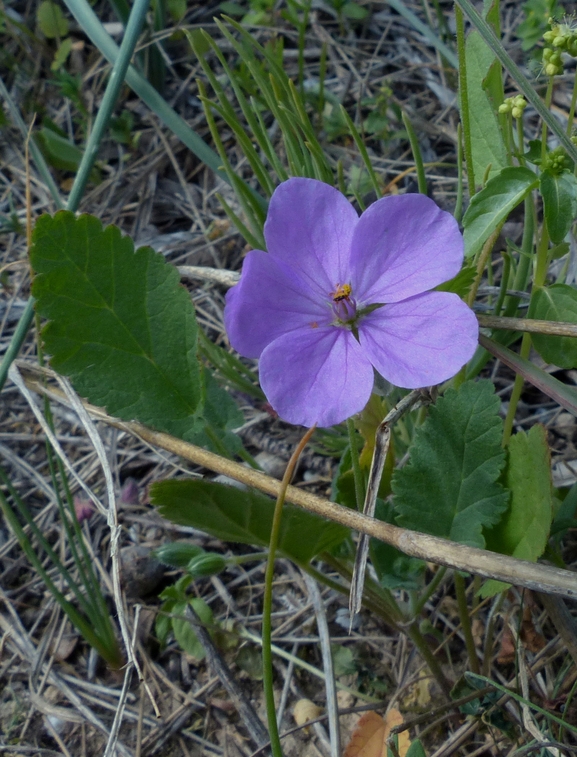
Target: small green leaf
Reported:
[(51, 20), (176, 9), (555, 303), (559, 192), (491, 206), (524, 530), (486, 138), (59, 151), (241, 516), (344, 660), (120, 324), (449, 487), (462, 282), (184, 631), (249, 659), (354, 11), (61, 55)]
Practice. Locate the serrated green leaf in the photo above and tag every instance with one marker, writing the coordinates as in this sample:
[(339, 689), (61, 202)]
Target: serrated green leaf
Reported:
[(449, 487), (51, 20), (486, 138), (524, 530), (491, 206), (559, 192), (244, 516), (184, 631), (120, 325), (555, 303)]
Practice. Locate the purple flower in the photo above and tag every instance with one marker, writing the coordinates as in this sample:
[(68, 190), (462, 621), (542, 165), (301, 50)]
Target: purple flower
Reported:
[(337, 295)]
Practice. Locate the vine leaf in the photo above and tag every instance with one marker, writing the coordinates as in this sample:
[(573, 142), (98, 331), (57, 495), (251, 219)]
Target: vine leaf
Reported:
[(119, 323), (449, 487)]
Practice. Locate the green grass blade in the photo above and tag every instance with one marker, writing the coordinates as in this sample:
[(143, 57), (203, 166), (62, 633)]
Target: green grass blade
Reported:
[(92, 27), (363, 151), (417, 157), (115, 82), (425, 30), (37, 157)]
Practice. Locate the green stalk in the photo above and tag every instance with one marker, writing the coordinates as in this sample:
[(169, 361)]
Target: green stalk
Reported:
[(464, 99), (459, 203), (363, 151), (357, 473), (426, 653), (417, 157), (267, 599), (466, 622), (548, 98), (572, 108)]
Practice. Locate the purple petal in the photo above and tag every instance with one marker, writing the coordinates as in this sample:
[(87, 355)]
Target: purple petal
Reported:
[(316, 376), (421, 341), (310, 227), (269, 300), (402, 246)]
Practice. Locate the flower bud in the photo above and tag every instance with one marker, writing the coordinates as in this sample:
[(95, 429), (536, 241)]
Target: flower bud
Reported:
[(177, 554), (505, 107), (208, 564)]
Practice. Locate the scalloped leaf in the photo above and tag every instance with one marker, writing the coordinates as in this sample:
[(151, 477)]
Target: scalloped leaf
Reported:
[(120, 324), (449, 487), (244, 516)]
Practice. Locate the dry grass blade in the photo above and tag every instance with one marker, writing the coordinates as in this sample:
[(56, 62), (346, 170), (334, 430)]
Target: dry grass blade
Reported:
[(382, 440)]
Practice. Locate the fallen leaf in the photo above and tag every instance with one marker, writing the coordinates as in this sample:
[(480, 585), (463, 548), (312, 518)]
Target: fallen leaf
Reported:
[(369, 738), (305, 710)]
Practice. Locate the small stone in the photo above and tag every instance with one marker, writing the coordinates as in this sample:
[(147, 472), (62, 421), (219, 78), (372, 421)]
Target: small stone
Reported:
[(140, 572)]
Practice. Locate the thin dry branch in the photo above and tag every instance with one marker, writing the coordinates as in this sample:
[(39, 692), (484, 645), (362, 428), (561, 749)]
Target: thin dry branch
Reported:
[(480, 562)]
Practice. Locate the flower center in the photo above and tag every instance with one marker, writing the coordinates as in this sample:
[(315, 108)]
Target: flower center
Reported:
[(344, 306)]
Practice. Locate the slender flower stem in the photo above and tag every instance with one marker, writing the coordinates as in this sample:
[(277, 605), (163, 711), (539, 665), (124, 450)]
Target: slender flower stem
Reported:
[(267, 601), (357, 473), (466, 622)]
